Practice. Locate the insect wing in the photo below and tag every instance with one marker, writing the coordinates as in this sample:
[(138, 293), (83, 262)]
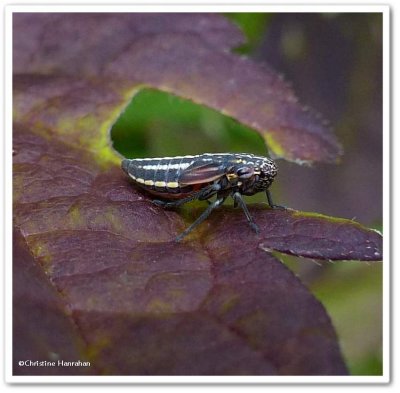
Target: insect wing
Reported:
[(202, 173)]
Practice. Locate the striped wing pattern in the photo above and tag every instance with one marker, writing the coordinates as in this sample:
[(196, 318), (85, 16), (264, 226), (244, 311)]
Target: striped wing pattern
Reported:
[(167, 175)]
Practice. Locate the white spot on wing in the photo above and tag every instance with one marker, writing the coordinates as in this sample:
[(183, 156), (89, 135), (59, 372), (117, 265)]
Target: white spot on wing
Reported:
[(172, 184), (166, 166)]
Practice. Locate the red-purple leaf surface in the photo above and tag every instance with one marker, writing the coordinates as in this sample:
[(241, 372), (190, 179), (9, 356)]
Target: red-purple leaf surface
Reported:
[(186, 54), (303, 234), (38, 310), (146, 305), (124, 294)]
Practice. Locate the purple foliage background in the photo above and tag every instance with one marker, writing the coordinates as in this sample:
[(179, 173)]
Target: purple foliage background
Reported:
[(335, 65)]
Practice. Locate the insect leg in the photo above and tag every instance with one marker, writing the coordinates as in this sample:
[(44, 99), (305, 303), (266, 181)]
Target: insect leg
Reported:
[(201, 218), (269, 198), (166, 204), (205, 193), (238, 200)]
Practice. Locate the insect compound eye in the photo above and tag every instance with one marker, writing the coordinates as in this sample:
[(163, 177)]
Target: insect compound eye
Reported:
[(245, 172)]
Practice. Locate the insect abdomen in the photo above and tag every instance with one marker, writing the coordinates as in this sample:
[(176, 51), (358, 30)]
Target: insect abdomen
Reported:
[(159, 175)]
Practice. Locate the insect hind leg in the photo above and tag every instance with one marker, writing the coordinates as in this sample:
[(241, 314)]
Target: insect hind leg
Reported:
[(165, 204), (218, 202), (204, 193)]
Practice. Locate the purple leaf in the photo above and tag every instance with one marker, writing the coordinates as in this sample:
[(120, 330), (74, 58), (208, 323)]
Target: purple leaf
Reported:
[(106, 280), (185, 54)]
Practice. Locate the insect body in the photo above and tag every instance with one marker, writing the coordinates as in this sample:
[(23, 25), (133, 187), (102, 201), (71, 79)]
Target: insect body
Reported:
[(178, 180)]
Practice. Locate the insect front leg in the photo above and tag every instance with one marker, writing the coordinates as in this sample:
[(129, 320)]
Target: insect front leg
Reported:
[(238, 201), (204, 193), (271, 204), (218, 202)]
